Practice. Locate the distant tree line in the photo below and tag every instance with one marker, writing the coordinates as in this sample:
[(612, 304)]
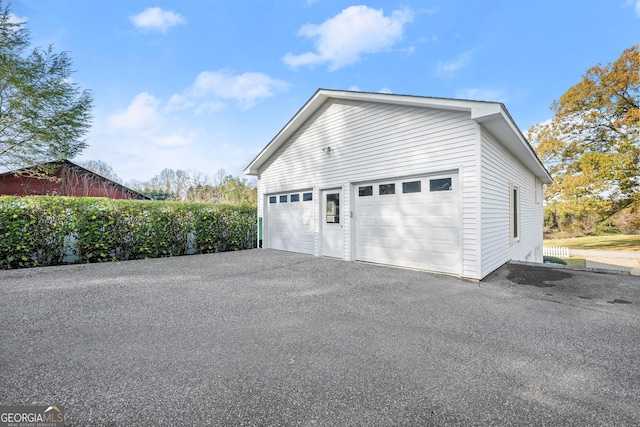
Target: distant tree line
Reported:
[(185, 185), (195, 186)]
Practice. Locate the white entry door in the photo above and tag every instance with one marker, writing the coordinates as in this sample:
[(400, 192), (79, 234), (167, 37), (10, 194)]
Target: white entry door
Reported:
[(332, 222)]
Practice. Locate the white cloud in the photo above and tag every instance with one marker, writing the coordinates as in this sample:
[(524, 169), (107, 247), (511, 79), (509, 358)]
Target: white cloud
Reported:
[(156, 19), (635, 4), (145, 120), (357, 30), (15, 19), (430, 39), (178, 102), (150, 133), (199, 102), (246, 89), (208, 94), (357, 89), (482, 94), (175, 140), (409, 50), (449, 68), (142, 111)]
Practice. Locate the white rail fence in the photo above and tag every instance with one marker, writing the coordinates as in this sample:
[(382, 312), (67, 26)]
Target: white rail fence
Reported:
[(559, 252)]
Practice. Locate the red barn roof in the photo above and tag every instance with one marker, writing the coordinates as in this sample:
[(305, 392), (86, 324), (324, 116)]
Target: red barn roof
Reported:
[(62, 178)]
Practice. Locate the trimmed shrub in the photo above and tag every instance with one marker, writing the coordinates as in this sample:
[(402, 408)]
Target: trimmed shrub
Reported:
[(553, 260), (44, 230), (33, 231), (224, 228)]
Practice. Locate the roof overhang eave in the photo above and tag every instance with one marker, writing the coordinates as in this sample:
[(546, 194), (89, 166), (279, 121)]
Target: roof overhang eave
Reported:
[(501, 125)]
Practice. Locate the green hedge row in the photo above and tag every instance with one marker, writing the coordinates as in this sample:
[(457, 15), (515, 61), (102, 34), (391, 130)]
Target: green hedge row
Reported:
[(43, 230)]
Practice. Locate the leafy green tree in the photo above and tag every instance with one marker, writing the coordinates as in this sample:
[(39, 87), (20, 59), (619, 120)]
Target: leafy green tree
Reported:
[(156, 193), (43, 114), (592, 144), (237, 191), (203, 193)]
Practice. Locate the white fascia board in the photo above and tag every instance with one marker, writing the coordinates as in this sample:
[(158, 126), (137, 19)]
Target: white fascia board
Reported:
[(407, 100), (486, 112)]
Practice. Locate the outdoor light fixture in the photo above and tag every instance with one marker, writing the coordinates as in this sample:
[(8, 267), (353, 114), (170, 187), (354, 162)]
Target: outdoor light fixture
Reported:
[(327, 150)]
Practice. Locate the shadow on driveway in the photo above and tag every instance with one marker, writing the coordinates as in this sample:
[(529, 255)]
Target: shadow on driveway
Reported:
[(263, 337)]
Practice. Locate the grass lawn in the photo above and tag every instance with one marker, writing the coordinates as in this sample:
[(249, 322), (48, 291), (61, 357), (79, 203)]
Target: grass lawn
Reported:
[(615, 242), (576, 262), (573, 261)]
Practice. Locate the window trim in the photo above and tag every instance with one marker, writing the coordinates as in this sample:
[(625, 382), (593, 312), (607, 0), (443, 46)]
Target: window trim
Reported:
[(365, 191), (433, 189), (515, 213), (332, 208)]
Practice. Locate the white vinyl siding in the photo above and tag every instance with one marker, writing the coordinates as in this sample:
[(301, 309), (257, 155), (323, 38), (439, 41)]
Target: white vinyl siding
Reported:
[(500, 171), (367, 139), (374, 141)]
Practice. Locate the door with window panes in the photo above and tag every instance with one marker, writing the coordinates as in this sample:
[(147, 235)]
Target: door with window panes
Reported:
[(332, 224)]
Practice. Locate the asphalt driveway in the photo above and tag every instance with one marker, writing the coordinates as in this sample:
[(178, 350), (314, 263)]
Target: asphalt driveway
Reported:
[(263, 337)]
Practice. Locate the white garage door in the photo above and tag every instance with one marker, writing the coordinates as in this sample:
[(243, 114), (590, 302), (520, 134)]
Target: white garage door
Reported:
[(289, 221), (410, 223)]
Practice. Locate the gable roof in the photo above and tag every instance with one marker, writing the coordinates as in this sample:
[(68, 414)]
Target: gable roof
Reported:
[(492, 115), (99, 177)]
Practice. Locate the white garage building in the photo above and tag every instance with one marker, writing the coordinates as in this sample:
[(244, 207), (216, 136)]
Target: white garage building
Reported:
[(443, 185)]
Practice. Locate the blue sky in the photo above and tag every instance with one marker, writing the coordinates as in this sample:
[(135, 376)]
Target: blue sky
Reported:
[(205, 84)]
